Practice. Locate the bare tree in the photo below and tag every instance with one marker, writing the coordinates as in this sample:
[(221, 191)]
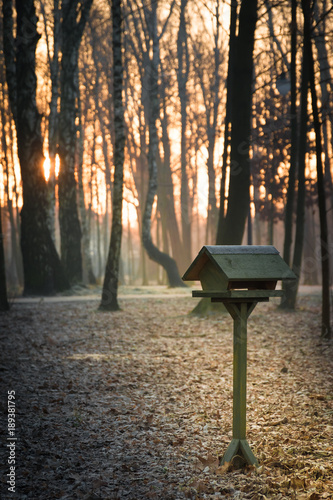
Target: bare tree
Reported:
[(289, 207), (153, 252), (209, 76), (227, 119), (241, 106), (241, 112), (110, 286), (182, 77), (324, 243), (4, 305), (42, 269), (53, 48), (74, 18)]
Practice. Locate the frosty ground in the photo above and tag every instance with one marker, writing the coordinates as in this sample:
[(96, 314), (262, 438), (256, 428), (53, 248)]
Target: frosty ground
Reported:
[(138, 404)]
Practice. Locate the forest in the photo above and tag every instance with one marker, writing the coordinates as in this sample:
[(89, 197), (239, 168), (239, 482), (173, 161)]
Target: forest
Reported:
[(133, 133), (221, 127)]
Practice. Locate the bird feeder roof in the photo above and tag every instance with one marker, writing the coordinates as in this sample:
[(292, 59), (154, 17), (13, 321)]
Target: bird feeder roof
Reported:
[(240, 263)]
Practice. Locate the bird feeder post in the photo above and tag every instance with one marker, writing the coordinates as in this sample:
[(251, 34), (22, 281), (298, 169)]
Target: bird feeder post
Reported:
[(239, 277), (240, 313)]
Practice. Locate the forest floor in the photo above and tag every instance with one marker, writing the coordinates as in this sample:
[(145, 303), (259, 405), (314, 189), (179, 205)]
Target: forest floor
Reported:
[(138, 404)]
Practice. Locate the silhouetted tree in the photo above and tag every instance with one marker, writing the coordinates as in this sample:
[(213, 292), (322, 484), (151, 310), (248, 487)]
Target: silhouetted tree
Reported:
[(241, 112), (4, 305), (74, 18), (42, 269), (324, 243)]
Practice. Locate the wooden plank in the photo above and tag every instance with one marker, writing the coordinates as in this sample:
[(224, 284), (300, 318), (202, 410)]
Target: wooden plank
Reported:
[(247, 452), (240, 249), (239, 447), (212, 278), (239, 369), (192, 273), (237, 294), (247, 300), (253, 267), (231, 451)]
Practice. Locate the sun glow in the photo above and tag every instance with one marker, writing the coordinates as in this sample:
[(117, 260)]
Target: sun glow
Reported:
[(47, 167)]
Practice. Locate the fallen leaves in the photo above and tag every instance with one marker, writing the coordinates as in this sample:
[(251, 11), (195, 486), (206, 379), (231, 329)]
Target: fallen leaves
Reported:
[(138, 404)]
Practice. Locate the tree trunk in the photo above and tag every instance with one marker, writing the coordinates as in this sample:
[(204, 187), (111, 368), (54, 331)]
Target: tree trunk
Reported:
[(288, 219), (289, 209), (167, 262), (166, 186), (182, 76), (110, 287), (70, 231), (9, 54), (324, 243), (16, 259), (87, 268), (53, 113), (42, 269), (241, 109), (326, 85), (227, 120), (4, 305), (212, 130), (212, 210), (291, 288)]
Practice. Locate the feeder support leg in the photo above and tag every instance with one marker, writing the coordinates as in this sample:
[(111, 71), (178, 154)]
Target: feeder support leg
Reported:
[(239, 445)]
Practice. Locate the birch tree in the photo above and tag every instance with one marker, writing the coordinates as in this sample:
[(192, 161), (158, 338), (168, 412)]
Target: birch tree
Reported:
[(110, 286)]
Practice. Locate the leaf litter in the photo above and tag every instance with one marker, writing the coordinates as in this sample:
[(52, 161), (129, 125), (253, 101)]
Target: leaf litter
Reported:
[(138, 403)]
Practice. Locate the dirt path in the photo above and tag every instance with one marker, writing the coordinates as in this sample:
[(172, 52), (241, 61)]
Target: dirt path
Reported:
[(138, 404), (135, 292)]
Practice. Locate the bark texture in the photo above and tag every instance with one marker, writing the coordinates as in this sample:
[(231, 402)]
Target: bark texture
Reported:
[(182, 77), (289, 209), (110, 286), (167, 262), (227, 120), (16, 259), (291, 288), (42, 269), (241, 109), (165, 184), (4, 305), (324, 242), (74, 17), (88, 274), (53, 61)]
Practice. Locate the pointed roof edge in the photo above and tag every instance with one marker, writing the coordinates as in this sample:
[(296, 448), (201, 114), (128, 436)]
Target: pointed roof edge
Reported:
[(206, 253), (196, 266), (241, 249)]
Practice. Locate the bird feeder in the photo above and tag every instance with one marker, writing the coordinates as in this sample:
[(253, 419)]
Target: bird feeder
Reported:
[(239, 277)]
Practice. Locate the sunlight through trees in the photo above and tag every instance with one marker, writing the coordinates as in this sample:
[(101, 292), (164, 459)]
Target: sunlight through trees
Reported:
[(227, 140)]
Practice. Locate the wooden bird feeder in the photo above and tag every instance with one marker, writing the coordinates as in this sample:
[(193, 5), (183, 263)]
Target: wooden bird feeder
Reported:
[(240, 277)]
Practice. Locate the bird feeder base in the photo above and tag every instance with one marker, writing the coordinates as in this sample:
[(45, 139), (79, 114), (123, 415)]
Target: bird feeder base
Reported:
[(239, 447)]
